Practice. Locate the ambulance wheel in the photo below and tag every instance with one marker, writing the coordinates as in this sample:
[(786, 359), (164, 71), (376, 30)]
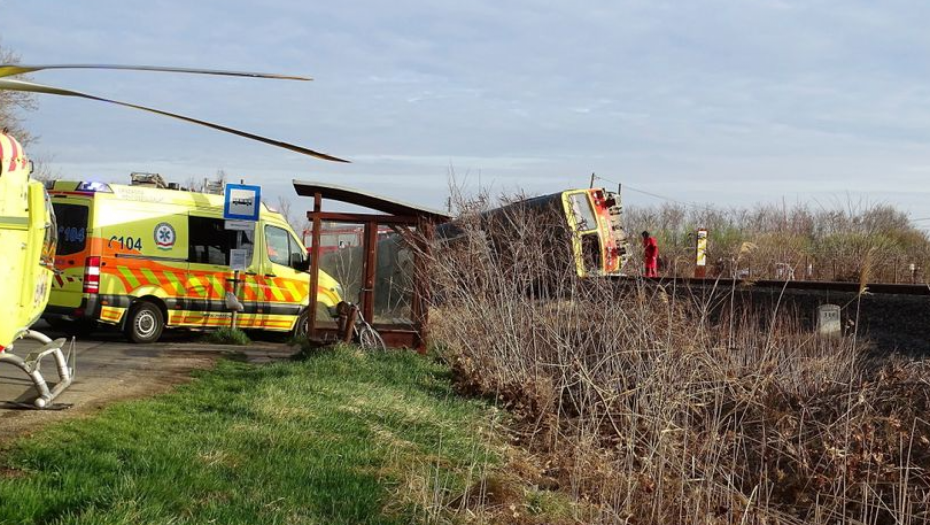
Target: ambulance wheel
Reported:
[(300, 329), (145, 323)]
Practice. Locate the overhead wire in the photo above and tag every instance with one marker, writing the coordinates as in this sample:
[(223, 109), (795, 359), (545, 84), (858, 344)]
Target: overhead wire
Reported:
[(656, 195), (684, 203)]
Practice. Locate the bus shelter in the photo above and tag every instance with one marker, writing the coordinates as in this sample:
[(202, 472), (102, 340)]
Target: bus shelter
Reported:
[(374, 259)]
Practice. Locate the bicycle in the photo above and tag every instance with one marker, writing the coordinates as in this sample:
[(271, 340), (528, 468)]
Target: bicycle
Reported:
[(362, 332)]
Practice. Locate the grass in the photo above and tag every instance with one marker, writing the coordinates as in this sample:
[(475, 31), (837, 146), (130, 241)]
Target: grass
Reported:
[(338, 437), (227, 336)]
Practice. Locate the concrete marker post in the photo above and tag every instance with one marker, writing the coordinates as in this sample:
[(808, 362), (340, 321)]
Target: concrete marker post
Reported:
[(700, 263)]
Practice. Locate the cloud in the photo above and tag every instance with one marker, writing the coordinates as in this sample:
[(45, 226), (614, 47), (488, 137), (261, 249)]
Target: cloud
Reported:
[(755, 98)]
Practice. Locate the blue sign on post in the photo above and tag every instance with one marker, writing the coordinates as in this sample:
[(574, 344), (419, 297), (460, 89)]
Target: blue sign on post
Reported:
[(242, 202)]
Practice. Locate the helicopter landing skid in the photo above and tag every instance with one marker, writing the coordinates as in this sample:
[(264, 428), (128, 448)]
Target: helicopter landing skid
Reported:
[(31, 365)]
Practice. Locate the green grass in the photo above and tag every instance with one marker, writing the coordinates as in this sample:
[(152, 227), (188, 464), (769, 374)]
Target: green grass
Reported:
[(227, 336), (339, 437)]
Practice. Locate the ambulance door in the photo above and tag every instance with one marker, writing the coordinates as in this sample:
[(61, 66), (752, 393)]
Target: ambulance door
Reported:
[(249, 292), (74, 246), (286, 286), (209, 276)]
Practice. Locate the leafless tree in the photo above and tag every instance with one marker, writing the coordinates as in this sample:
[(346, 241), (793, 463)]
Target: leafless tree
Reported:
[(13, 104), (292, 216)]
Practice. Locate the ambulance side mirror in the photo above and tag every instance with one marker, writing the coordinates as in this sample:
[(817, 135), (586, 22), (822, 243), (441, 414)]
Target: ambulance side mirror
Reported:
[(301, 264)]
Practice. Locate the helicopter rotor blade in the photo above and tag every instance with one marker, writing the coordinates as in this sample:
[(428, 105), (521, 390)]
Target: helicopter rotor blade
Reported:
[(30, 87), (7, 70)]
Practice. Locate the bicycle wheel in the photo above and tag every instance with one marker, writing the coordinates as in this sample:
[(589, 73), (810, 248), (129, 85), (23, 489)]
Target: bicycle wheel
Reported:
[(369, 339)]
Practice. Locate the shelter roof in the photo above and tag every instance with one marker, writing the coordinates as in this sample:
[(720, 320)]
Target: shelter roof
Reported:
[(367, 200)]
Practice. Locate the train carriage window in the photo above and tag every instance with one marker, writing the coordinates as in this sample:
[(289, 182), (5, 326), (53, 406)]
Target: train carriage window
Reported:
[(348, 239), (591, 252), (72, 227), (329, 239), (584, 214), (210, 241)]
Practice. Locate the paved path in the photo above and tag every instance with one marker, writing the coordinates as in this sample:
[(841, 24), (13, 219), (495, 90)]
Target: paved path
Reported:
[(109, 368)]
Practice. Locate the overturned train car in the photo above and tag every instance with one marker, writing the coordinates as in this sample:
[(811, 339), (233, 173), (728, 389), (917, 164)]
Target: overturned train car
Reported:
[(581, 230)]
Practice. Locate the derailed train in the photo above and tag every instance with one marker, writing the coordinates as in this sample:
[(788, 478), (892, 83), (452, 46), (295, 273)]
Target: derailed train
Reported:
[(593, 222), (537, 241), (580, 229), (534, 242)]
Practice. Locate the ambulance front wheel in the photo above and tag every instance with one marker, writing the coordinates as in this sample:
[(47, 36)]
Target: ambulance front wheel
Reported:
[(145, 323), (300, 329)]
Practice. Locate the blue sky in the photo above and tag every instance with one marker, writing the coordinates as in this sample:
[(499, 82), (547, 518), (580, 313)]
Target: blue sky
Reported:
[(704, 101)]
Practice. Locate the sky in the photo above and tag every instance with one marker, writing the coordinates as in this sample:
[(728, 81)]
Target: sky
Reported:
[(704, 101)]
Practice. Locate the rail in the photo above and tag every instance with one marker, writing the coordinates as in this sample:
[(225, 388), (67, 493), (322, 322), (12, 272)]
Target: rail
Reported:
[(831, 286)]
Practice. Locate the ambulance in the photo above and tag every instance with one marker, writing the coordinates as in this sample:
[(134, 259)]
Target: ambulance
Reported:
[(145, 258)]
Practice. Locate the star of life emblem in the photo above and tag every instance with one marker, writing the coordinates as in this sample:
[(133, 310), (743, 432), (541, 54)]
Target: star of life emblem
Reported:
[(164, 236)]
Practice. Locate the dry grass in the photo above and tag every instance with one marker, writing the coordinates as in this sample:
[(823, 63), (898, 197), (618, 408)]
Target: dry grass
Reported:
[(653, 408)]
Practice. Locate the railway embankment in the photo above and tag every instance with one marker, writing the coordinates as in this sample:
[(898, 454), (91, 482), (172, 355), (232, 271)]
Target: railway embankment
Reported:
[(893, 319)]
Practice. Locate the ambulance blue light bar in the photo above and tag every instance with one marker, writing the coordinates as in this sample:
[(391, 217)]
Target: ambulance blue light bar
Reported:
[(93, 186)]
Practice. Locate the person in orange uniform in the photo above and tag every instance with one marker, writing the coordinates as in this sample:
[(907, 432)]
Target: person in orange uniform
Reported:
[(650, 256)]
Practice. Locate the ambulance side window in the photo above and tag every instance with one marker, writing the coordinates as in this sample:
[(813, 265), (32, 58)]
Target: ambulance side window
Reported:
[(210, 241), (278, 245), (298, 255), (247, 242)]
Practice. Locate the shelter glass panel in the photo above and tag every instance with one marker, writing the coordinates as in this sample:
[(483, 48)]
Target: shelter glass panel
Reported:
[(342, 262), (394, 277)]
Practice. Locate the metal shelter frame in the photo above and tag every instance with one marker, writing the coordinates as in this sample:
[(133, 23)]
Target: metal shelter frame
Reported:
[(392, 213)]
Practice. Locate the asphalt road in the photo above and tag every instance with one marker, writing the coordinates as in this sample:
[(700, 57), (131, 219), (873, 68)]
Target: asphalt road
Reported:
[(109, 368)]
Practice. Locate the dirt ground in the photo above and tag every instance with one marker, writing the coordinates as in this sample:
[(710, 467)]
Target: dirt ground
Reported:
[(109, 368)]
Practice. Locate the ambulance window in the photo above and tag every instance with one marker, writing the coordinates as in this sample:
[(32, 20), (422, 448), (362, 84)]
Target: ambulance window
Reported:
[(210, 241), (51, 238), (247, 241), (298, 255), (72, 227), (277, 243)]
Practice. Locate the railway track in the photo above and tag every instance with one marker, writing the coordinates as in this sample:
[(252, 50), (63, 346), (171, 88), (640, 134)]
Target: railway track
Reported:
[(892, 317), (825, 286)]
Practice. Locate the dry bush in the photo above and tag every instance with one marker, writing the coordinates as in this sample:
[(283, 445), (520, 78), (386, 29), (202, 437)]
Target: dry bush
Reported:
[(797, 241), (656, 408)]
